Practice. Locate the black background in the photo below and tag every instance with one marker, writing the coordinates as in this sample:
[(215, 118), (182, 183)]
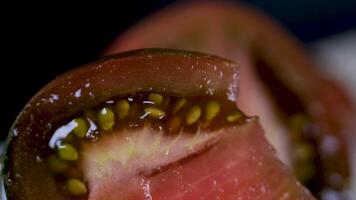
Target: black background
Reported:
[(42, 41)]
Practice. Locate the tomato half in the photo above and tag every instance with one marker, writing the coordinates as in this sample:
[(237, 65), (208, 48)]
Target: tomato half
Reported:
[(217, 152)]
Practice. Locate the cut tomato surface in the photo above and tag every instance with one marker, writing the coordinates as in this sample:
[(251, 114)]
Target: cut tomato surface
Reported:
[(241, 165)]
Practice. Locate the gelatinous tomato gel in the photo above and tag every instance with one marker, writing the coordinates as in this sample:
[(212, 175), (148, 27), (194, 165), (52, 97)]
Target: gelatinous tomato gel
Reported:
[(147, 124)]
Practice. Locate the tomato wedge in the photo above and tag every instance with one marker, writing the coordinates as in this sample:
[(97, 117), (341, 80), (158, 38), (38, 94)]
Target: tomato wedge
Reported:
[(227, 158), (143, 70)]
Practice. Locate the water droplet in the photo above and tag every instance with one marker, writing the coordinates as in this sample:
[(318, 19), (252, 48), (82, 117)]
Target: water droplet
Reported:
[(53, 98), (38, 159), (110, 102), (15, 132), (61, 133), (78, 93)]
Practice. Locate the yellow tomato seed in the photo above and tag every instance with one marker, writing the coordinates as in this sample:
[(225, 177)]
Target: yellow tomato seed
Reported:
[(56, 164), (76, 187), (67, 152), (81, 129), (122, 108), (155, 112), (155, 98), (212, 109), (106, 118), (179, 105), (234, 116), (175, 124), (193, 115)]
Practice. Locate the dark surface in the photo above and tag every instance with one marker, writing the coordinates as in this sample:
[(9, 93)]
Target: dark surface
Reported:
[(43, 41)]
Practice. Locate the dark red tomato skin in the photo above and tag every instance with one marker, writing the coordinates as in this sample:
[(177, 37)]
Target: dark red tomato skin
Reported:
[(177, 72)]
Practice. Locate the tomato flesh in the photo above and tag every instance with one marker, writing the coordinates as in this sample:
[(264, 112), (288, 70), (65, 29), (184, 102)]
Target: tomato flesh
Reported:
[(242, 165)]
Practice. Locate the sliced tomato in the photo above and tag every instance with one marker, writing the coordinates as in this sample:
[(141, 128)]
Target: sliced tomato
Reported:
[(176, 72), (240, 163), (278, 81)]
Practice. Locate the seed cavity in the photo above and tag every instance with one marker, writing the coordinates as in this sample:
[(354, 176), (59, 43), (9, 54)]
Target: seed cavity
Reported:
[(155, 112), (234, 117), (171, 114), (106, 118), (155, 98), (67, 152), (122, 108), (193, 115), (212, 109), (81, 129), (76, 187), (179, 105)]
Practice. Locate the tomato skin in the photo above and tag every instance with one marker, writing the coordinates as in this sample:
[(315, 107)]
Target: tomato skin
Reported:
[(177, 72)]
